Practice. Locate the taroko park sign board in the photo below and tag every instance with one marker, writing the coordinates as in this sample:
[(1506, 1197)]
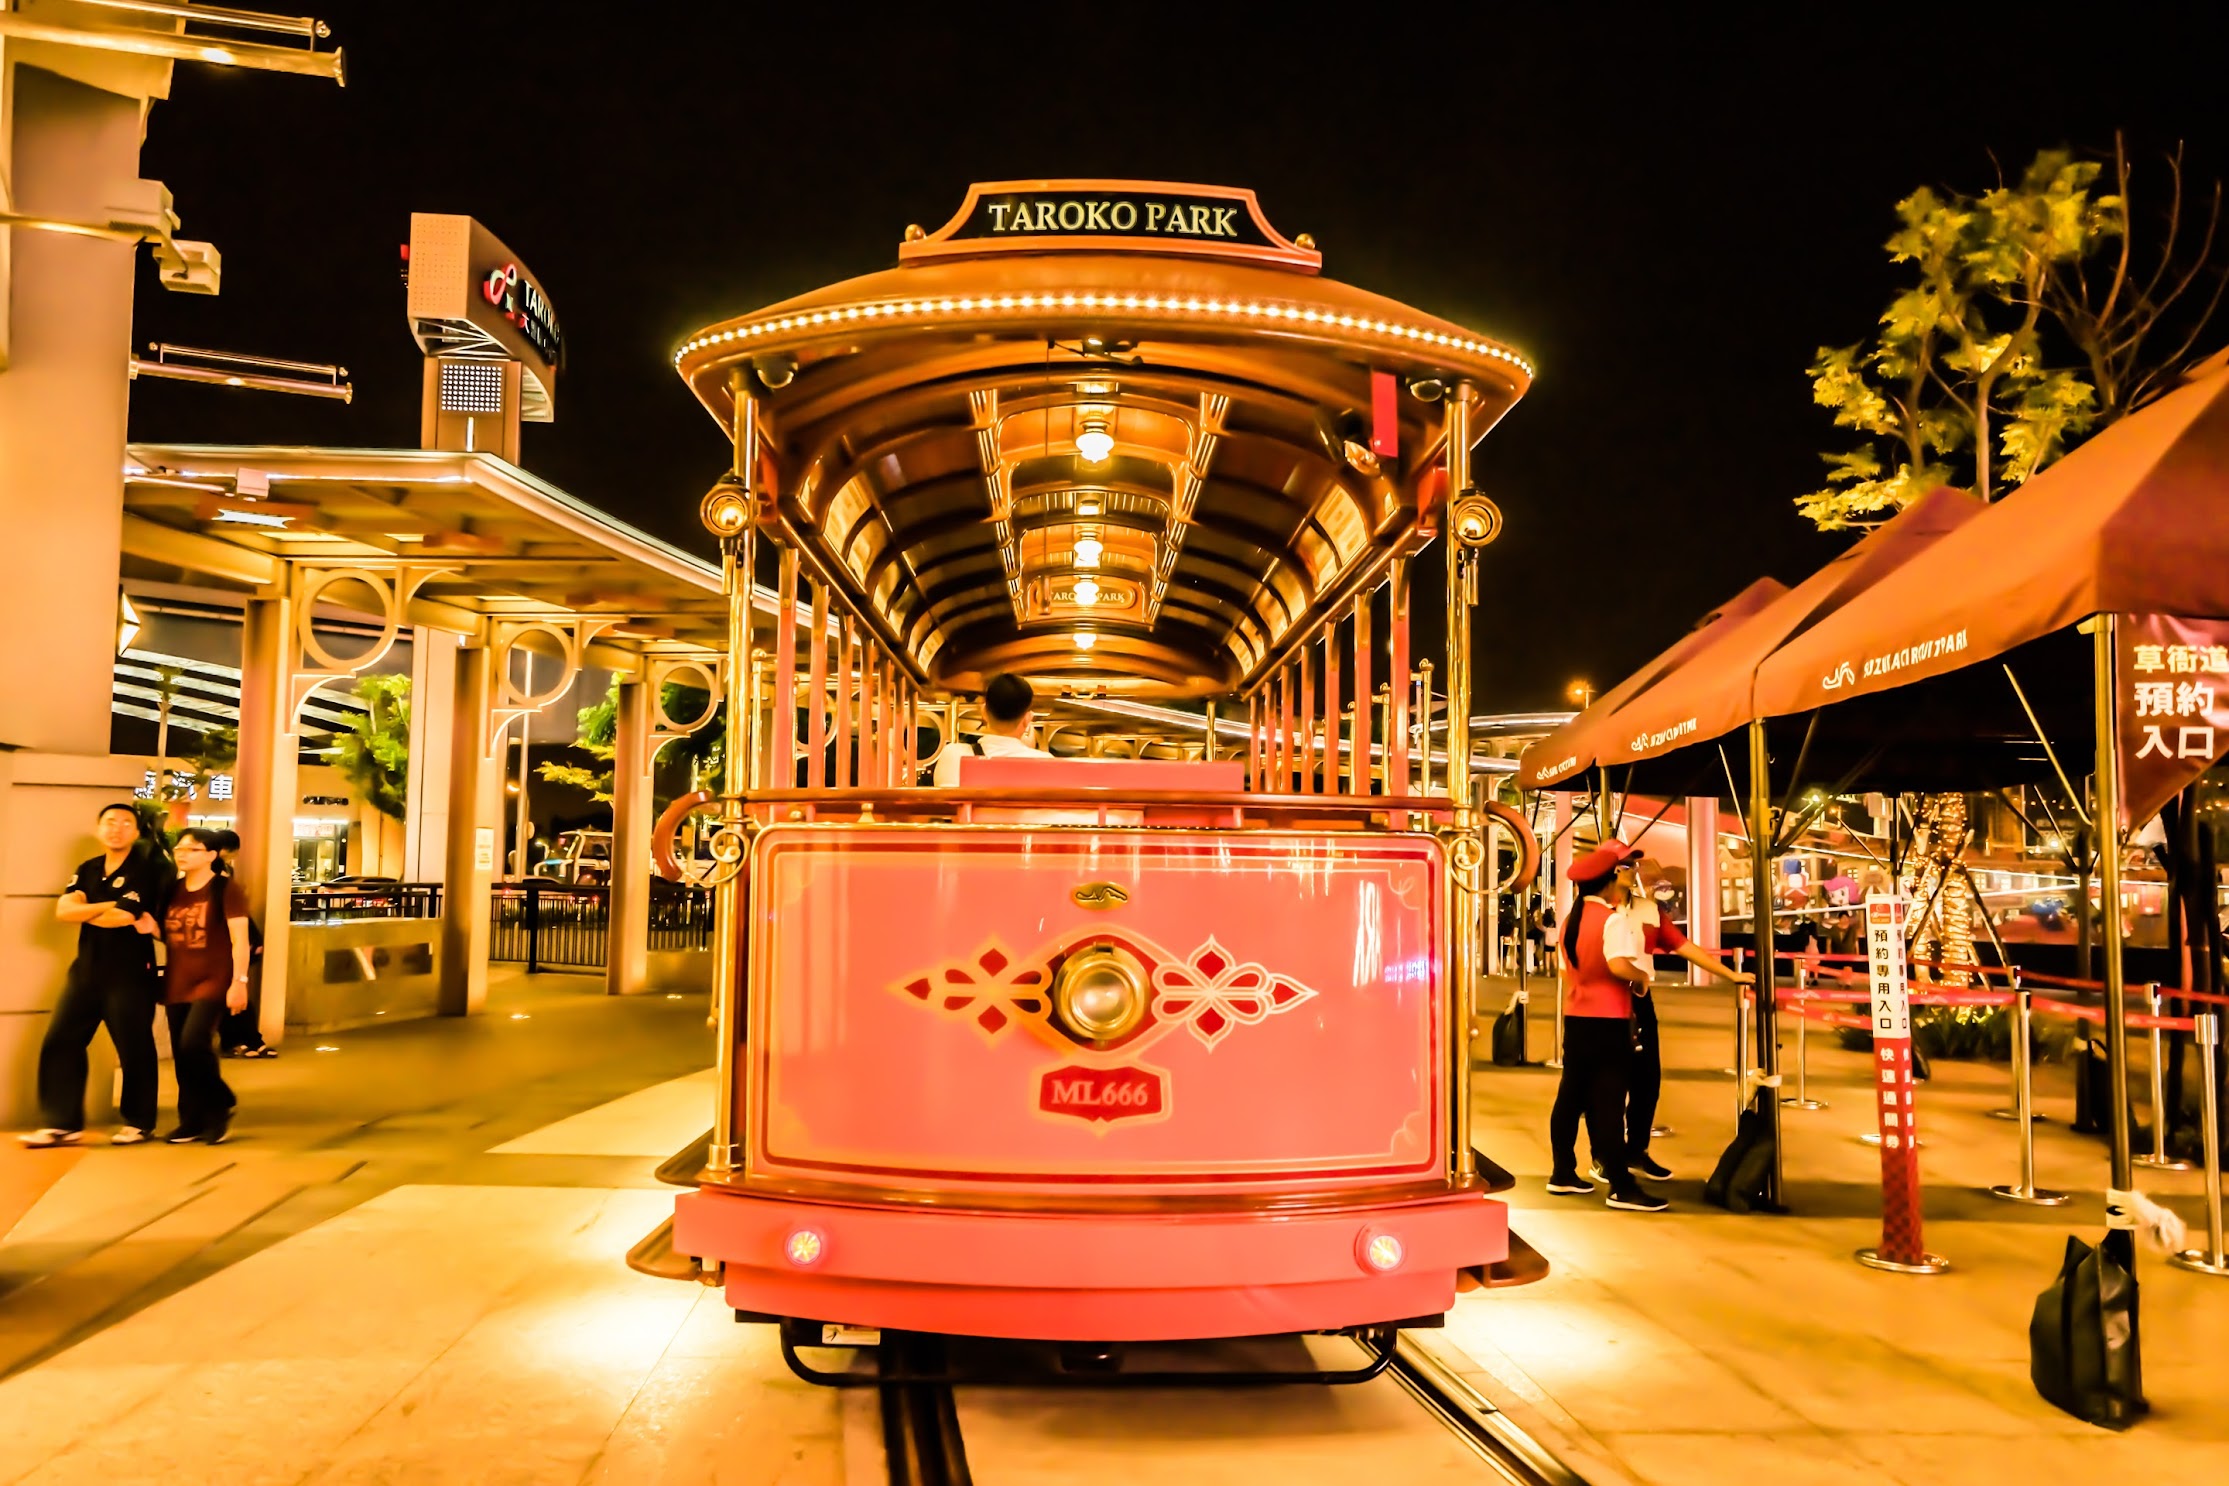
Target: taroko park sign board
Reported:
[(1111, 216), (472, 296)]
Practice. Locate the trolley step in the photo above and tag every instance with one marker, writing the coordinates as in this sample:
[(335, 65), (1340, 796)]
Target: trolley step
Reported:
[(655, 1256), (683, 1167)]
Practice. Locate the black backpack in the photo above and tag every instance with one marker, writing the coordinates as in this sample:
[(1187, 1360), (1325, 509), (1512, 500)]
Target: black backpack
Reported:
[(2083, 1337), (1508, 1041), (1738, 1182)]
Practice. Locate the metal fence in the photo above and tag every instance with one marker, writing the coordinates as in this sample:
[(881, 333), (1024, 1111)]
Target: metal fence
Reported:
[(548, 925), (332, 905)]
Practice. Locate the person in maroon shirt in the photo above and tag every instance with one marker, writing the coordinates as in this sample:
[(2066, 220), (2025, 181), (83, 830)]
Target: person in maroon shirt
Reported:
[(205, 932)]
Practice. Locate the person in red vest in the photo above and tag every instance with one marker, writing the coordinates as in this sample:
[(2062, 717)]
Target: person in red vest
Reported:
[(1605, 969)]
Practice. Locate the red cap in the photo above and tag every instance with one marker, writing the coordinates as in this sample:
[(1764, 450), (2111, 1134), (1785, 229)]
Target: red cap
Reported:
[(1602, 861)]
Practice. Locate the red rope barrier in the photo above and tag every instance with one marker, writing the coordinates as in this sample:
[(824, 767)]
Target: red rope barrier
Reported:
[(2140, 1020), (1819, 964)]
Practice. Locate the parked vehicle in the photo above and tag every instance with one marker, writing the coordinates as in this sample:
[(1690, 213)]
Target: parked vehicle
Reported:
[(579, 857)]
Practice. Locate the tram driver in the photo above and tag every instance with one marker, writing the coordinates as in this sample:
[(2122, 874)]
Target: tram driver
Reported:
[(1008, 709)]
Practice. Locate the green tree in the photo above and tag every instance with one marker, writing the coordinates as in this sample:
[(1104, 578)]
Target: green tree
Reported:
[(1958, 387), (1953, 389), (596, 729), (372, 749)]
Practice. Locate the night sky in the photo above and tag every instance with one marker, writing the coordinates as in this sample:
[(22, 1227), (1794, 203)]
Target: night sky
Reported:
[(1669, 221)]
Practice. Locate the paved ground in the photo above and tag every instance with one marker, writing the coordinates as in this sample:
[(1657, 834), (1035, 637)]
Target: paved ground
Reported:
[(1685, 1347), (408, 1269)]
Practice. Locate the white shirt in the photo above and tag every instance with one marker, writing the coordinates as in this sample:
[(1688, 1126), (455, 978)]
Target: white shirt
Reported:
[(1622, 935), (995, 745)]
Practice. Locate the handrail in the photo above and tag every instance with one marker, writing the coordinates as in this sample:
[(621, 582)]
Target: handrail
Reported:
[(930, 799), (905, 803)]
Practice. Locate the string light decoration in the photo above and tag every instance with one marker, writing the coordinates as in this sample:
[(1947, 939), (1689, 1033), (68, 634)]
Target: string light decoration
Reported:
[(1942, 898)]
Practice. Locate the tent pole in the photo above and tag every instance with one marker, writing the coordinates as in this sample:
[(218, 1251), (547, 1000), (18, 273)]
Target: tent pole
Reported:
[(2105, 814), (1761, 900)]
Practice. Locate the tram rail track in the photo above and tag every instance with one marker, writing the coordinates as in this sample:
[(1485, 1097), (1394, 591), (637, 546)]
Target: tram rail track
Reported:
[(923, 1443), (1513, 1454)]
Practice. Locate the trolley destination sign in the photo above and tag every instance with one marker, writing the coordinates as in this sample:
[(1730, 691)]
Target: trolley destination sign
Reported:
[(1101, 216)]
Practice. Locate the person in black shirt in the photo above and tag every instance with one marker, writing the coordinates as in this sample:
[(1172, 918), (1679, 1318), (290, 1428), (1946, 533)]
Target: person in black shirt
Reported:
[(113, 899)]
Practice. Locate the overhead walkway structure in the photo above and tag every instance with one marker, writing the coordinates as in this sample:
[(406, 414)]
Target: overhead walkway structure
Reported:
[(476, 562)]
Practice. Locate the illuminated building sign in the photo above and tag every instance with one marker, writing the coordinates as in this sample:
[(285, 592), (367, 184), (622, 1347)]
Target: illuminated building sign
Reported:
[(524, 305), (1122, 216), (470, 297), (220, 787)]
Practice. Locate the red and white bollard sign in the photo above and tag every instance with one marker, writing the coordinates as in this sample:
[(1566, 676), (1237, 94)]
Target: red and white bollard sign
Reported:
[(1901, 1248)]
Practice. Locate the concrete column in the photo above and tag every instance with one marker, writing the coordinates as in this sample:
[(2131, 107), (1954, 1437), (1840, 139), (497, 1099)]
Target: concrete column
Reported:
[(67, 149), (63, 396), (475, 795), (264, 788), (65, 334), (1702, 877), (627, 940), (433, 691)]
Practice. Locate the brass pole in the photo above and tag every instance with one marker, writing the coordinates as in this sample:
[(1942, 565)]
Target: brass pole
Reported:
[(1459, 559), (736, 556), (1397, 678), (816, 687), (1209, 752), (1365, 701), (1331, 708), (1463, 918), (2105, 811), (782, 745), (1767, 1044), (1424, 725)]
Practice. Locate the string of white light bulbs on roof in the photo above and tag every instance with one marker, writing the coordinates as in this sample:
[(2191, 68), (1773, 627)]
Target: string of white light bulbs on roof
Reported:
[(1153, 303)]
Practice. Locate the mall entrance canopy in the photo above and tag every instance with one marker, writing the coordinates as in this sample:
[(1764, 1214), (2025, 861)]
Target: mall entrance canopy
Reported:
[(475, 559)]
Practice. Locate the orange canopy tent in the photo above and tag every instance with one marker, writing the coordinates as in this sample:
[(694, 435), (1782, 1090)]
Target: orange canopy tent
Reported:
[(1571, 750), (1710, 694), (2136, 520)]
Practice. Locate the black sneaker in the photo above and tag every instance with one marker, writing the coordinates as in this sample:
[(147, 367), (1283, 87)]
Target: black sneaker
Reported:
[(183, 1135), (1638, 1201), (1648, 1165), (1569, 1186), (220, 1129)]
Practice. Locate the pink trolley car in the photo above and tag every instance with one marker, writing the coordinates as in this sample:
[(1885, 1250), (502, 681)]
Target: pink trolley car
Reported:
[(1166, 1036)]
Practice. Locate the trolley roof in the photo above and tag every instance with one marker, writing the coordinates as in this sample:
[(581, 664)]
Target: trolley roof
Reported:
[(929, 433)]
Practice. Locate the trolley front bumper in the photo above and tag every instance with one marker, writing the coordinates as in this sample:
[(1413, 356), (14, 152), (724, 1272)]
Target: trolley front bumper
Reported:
[(1091, 1277)]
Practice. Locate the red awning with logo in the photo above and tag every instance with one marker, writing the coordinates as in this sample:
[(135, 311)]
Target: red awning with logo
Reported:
[(1567, 753), (2134, 521), (1710, 694)]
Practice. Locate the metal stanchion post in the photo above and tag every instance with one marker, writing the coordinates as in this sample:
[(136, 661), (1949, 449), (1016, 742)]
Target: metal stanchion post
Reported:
[(1744, 1002), (2159, 1160), (2023, 1102), (2210, 1259), (1803, 1099), (1735, 1071), (2013, 1111)]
